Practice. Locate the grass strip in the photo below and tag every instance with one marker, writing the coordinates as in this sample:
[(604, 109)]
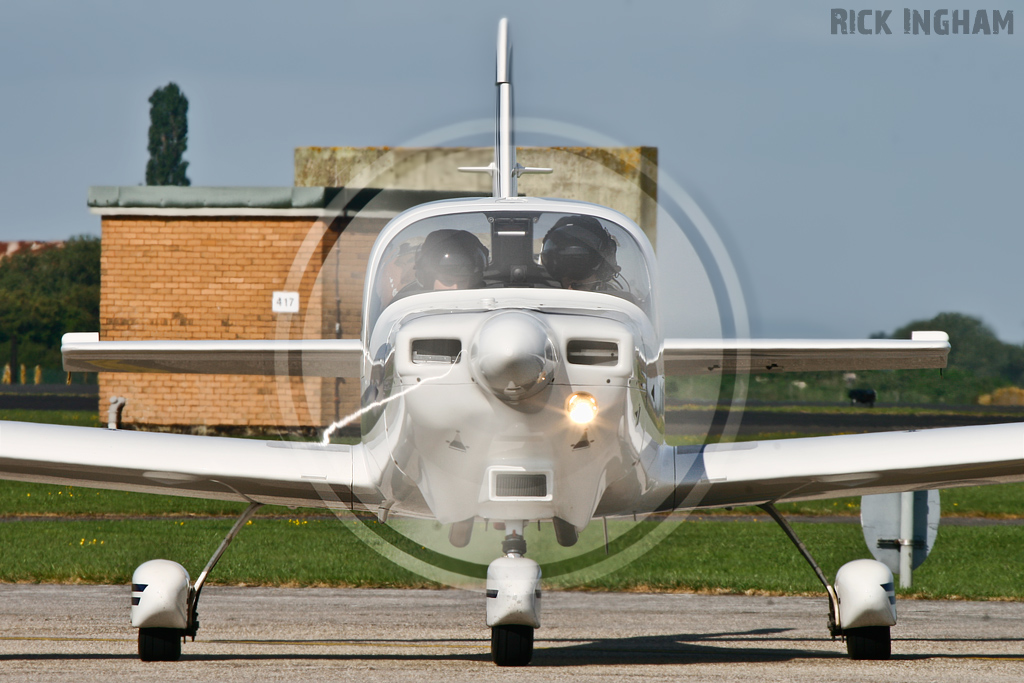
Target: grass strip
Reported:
[(741, 557), (22, 498), (277, 552), (75, 418), (756, 558), (1000, 501)]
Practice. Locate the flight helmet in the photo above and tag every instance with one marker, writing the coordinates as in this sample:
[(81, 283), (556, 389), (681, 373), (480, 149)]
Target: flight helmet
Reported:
[(579, 249), (451, 257)]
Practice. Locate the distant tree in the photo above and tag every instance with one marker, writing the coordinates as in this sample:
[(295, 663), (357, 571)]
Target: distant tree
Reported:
[(44, 295), (979, 364), (168, 137)]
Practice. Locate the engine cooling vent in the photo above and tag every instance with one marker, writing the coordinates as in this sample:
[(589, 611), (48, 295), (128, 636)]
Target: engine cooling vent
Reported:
[(590, 352), (436, 350), (520, 485)]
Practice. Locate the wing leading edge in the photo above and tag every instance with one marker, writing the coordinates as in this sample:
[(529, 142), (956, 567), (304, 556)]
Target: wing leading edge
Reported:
[(83, 352), (247, 470), (706, 356), (755, 472)]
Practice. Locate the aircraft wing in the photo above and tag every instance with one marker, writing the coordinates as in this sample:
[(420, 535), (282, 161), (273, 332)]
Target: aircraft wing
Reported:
[(245, 470), (83, 352), (755, 472), (706, 356)]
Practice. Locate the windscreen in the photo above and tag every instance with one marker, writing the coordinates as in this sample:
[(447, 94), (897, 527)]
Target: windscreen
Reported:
[(492, 250)]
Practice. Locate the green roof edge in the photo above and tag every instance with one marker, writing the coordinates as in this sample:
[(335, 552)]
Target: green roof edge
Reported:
[(175, 197)]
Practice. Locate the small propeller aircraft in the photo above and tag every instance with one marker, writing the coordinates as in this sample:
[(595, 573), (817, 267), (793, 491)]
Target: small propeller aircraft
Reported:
[(512, 372)]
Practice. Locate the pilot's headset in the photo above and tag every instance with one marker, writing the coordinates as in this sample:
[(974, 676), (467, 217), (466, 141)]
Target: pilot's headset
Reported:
[(451, 257), (578, 248)]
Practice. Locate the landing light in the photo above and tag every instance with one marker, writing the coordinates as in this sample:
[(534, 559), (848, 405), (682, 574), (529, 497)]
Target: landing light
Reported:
[(582, 408)]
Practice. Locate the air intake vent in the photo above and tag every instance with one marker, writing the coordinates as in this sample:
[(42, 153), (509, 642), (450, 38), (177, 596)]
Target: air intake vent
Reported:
[(590, 352), (435, 350), (516, 485)]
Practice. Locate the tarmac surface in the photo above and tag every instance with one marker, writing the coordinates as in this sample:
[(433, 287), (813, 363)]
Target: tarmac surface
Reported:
[(82, 633)]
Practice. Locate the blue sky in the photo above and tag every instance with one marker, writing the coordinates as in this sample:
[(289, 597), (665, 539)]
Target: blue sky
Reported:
[(859, 182)]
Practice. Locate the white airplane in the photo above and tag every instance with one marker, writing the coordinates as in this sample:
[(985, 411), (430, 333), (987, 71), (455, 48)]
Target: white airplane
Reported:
[(512, 372)]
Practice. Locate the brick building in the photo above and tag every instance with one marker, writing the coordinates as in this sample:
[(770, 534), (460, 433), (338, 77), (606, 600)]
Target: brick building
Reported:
[(205, 262)]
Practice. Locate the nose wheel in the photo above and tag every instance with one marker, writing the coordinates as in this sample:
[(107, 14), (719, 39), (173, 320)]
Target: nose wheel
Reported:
[(513, 600), (160, 644), (868, 642), (512, 645)]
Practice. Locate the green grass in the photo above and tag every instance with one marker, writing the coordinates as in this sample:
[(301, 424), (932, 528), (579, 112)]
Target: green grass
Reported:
[(20, 498), (731, 557), (266, 552), (999, 501), (741, 557), (75, 418)]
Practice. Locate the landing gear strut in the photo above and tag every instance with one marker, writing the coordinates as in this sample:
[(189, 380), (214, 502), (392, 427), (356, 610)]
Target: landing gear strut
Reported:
[(165, 608), (833, 608), (513, 601), (197, 587), (869, 609)]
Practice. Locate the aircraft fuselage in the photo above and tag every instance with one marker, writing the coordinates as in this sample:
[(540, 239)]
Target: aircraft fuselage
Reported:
[(472, 387)]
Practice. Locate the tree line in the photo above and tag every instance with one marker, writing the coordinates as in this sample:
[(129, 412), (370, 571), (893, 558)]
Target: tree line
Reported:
[(45, 294), (979, 364)]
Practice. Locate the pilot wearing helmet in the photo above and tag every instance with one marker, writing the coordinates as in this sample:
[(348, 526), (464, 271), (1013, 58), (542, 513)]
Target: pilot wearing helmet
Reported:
[(579, 253), (451, 259)]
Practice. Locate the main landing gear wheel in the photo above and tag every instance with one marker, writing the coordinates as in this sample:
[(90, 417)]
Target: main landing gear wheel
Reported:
[(159, 644), (868, 642), (512, 645)]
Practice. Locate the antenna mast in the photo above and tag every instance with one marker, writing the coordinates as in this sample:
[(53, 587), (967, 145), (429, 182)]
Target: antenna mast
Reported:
[(504, 170), (505, 180)]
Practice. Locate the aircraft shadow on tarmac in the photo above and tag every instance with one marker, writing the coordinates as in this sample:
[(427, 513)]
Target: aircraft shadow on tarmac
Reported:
[(703, 648)]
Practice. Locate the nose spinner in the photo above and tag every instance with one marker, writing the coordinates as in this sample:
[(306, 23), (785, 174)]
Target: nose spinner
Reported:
[(513, 355)]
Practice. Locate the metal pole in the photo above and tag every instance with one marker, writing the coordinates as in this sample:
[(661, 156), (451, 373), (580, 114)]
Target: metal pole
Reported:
[(906, 538)]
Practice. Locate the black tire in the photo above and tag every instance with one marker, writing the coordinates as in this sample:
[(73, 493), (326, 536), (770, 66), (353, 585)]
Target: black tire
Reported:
[(159, 644), (512, 645), (868, 642)]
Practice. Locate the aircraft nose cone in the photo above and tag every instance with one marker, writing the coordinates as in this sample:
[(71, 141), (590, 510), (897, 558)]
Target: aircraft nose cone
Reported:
[(513, 355)]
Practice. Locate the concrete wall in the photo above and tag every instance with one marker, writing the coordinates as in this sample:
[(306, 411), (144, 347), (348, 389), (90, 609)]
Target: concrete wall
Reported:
[(623, 178)]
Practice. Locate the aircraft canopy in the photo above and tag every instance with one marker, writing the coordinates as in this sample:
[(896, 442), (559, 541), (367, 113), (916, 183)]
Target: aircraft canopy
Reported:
[(502, 249)]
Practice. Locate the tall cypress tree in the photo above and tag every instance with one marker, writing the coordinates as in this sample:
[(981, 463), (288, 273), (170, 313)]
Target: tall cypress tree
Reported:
[(168, 137)]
